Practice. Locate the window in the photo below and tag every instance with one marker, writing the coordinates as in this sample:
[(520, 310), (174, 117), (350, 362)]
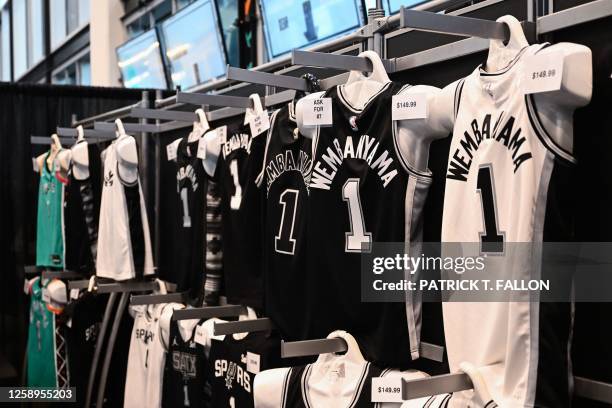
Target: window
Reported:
[(75, 73), (57, 15), (20, 42), (5, 43), (66, 17), (67, 76), (36, 32), (162, 11), (139, 26)]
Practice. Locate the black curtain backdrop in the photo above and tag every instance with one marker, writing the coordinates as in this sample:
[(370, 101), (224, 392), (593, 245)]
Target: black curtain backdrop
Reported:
[(26, 110)]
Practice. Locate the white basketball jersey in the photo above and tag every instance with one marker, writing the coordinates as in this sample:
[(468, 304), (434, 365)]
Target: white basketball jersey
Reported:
[(499, 184), (145, 370), (124, 243)]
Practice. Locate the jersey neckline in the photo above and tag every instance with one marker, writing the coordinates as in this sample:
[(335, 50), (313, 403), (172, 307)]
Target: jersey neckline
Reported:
[(370, 102), (356, 394)]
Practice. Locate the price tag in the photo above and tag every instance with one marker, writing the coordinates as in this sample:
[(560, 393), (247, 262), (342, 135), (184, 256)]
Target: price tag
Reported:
[(222, 134), (171, 149), (259, 123), (74, 293), (200, 335), (35, 165), (45, 296), (202, 149), (317, 112), (253, 361), (387, 389), (26, 287), (409, 106), (543, 72)]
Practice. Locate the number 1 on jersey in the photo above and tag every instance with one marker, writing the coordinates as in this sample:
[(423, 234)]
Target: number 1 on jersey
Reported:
[(357, 239), (491, 240), (237, 197), (284, 241), (186, 217)]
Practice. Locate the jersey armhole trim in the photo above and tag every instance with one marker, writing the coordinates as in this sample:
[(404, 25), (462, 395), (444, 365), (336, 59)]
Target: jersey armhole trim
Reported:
[(541, 133), (285, 386), (262, 173), (426, 176), (458, 91), (126, 183)]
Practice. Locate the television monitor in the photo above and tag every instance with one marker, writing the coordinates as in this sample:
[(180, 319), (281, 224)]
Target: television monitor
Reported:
[(228, 14), (290, 24), (193, 45), (140, 62), (392, 6)]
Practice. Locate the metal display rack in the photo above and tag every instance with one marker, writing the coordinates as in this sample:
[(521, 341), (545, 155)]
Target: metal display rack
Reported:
[(230, 96)]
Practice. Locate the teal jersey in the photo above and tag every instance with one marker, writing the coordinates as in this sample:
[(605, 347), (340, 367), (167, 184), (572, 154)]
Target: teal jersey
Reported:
[(41, 341), (50, 223)]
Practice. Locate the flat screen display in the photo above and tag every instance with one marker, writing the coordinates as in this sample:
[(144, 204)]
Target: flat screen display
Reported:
[(193, 45), (393, 6), (140, 62), (290, 24)]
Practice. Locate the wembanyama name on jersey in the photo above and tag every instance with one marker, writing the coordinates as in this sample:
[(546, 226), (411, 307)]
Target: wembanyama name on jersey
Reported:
[(459, 167), (366, 149)]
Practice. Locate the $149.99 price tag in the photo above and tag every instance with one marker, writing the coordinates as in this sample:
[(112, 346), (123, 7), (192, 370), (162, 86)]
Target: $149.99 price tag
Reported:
[(387, 389), (543, 72), (409, 106)]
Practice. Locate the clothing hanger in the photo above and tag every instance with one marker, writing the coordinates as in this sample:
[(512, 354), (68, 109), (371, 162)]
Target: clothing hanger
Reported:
[(200, 126), (80, 133), (352, 354), (501, 53), (255, 110), (378, 74), (56, 147), (360, 86), (119, 128)]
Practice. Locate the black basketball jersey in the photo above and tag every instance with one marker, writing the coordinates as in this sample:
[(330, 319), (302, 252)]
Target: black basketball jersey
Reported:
[(85, 316), (184, 382), (234, 363), (238, 166), (81, 216), (188, 270), (362, 191), (295, 392), (285, 179)]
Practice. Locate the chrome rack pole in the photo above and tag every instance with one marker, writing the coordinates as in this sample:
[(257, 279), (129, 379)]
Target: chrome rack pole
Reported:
[(438, 384), (99, 344), (110, 347), (156, 203)]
